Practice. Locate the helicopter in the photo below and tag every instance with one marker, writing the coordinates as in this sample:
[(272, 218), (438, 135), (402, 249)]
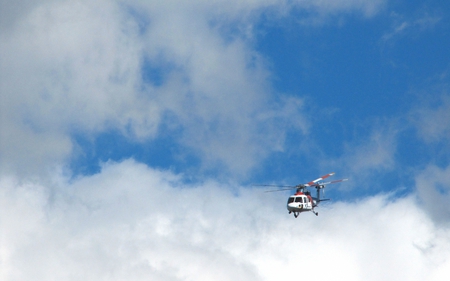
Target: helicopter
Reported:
[(302, 201)]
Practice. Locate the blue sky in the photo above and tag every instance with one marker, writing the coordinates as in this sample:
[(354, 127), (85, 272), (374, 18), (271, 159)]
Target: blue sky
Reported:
[(362, 75), (355, 75), (132, 133)]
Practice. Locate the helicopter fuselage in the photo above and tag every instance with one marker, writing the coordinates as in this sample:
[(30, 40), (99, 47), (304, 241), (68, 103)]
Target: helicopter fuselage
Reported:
[(300, 203)]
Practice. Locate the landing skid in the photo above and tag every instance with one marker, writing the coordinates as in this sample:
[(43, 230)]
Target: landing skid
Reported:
[(295, 213), (298, 213)]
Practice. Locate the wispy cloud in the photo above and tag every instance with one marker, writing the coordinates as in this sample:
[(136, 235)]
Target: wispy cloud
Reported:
[(433, 186), (410, 26), (368, 156), (367, 8), (431, 117)]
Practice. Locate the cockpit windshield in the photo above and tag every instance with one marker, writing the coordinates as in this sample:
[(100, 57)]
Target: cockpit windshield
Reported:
[(291, 199)]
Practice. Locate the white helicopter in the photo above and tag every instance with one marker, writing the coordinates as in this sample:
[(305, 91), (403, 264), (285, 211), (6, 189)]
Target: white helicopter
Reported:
[(302, 201)]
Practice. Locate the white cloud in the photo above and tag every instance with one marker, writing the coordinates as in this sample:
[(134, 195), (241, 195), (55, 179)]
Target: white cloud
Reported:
[(77, 66), (68, 67), (134, 222)]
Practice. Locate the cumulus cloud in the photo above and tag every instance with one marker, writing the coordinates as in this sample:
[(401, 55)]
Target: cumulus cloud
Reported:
[(68, 67), (81, 67), (78, 67), (134, 222)]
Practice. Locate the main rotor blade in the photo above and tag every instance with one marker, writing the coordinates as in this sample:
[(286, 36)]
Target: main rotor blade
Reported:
[(314, 182), (335, 181), (276, 185), (287, 187), (281, 189)]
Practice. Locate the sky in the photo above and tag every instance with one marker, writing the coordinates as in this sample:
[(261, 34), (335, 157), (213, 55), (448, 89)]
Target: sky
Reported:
[(133, 133)]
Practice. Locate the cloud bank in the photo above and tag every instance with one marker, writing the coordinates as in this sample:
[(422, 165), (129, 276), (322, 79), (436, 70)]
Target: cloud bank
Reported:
[(134, 222)]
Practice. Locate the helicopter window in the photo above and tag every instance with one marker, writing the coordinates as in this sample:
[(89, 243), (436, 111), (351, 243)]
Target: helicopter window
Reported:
[(298, 199), (290, 200)]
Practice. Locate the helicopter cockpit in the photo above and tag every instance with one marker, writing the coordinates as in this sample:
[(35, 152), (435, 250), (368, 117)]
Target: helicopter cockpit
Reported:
[(298, 199)]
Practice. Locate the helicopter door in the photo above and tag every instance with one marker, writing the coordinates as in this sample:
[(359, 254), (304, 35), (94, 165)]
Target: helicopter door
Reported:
[(299, 200), (307, 203)]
